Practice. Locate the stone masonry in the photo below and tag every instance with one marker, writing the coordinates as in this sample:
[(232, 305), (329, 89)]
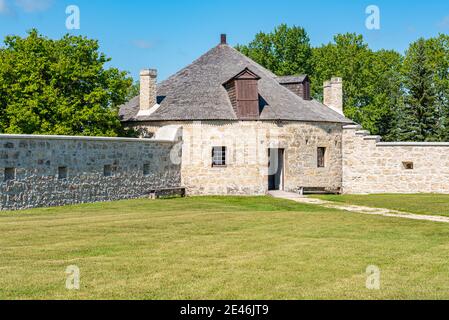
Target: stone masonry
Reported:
[(247, 143), (371, 166), (38, 171)]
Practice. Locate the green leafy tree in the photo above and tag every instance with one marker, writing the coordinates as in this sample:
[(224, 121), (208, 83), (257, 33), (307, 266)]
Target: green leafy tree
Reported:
[(419, 115), (285, 51), (372, 80), (133, 91), (59, 87)]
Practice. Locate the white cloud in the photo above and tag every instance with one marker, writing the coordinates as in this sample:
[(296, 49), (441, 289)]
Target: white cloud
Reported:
[(142, 44), (444, 23), (34, 5), (4, 7)]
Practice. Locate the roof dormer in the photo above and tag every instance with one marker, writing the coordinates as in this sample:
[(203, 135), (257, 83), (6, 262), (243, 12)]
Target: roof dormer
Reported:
[(244, 94), (299, 85)]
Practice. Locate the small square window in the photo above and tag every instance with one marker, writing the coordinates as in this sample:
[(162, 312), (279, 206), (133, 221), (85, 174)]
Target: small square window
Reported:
[(321, 157), (10, 174), (146, 169), (408, 165), (218, 156), (62, 173), (108, 170)]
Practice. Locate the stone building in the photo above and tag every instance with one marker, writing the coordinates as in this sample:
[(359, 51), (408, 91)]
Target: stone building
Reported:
[(223, 125), (247, 131)]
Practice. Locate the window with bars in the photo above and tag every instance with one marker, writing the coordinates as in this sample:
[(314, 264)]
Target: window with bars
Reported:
[(146, 169), (218, 156), (321, 157), (10, 174), (62, 173), (109, 170)]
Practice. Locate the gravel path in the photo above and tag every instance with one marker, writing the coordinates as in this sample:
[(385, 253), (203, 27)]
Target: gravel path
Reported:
[(359, 209)]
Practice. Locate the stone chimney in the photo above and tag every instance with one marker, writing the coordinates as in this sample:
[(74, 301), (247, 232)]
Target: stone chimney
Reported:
[(333, 94), (223, 39), (148, 95)]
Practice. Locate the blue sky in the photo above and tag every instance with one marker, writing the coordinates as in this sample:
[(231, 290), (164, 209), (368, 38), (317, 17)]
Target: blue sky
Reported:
[(167, 35)]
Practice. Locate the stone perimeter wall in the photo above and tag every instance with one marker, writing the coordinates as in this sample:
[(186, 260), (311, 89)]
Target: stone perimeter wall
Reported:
[(370, 166), (36, 161), (247, 143)]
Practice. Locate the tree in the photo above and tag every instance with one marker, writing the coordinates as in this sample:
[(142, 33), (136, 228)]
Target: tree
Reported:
[(285, 51), (59, 87), (419, 115), (438, 58), (133, 91), (371, 80)]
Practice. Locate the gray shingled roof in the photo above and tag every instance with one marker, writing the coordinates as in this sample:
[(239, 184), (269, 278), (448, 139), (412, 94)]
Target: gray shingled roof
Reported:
[(291, 79), (197, 93)]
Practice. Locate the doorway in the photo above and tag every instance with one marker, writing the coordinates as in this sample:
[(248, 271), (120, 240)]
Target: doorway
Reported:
[(275, 169)]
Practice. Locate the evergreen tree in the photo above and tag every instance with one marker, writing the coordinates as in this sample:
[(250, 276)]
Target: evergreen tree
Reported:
[(419, 114), (438, 53)]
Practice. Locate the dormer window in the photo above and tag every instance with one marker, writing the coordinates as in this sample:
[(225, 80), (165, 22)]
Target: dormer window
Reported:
[(299, 85), (244, 94)]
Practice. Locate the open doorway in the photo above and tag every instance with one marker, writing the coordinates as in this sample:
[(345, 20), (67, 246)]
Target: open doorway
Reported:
[(275, 169)]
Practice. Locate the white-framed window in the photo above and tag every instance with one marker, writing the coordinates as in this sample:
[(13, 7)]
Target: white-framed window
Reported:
[(218, 156)]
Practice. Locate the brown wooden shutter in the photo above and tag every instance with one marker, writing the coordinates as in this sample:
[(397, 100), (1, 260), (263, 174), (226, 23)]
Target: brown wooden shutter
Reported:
[(247, 99), (244, 94)]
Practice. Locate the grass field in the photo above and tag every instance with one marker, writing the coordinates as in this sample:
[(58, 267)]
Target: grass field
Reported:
[(430, 204), (219, 248)]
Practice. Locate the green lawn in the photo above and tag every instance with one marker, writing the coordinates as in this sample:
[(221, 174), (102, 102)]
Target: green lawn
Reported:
[(430, 204), (219, 248)]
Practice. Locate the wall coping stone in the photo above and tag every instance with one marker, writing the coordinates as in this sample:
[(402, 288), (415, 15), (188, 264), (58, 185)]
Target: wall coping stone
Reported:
[(83, 138), (413, 144), (353, 126), (377, 138)]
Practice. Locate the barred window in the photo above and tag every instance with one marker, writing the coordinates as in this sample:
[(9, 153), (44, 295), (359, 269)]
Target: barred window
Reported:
[(321, 157), (218, 156), (109, 170), (62, 173), (146, 169), (10, 174)]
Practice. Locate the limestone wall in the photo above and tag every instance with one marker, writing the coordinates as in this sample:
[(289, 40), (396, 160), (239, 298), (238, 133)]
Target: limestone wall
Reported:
[(134, 166), (247, 143), (370, 166)]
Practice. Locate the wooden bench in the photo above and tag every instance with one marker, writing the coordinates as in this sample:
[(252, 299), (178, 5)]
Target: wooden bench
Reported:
[(167, 192), (318, 190)]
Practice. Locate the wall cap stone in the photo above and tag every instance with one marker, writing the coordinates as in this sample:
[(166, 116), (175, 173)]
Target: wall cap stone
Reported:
[(377, 138), (413, 144), (82, 138), (352, 127)]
